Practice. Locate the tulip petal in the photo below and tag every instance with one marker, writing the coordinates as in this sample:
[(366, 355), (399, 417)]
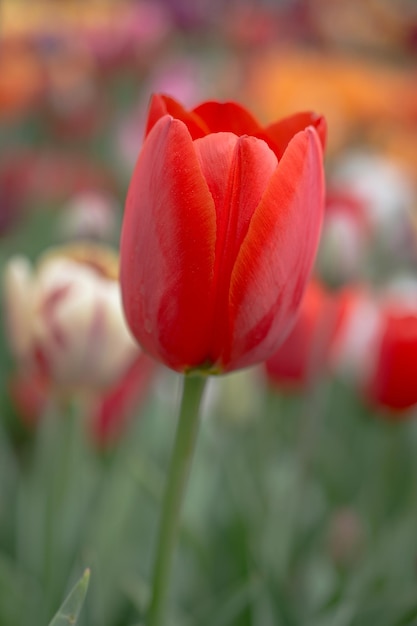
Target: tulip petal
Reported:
[(228, 117), (161, 105), (276, 257), (18, 279), (237, 170), (278, 135), (167, 248)]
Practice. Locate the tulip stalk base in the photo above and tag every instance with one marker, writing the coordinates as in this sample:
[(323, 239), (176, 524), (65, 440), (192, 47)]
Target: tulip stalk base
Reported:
[(178, 471)]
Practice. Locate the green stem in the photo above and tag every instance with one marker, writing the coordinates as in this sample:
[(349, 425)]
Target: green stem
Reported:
[(178, 471)]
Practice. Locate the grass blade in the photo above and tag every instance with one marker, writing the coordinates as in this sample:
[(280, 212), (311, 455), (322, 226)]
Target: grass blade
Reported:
[(70, 610)]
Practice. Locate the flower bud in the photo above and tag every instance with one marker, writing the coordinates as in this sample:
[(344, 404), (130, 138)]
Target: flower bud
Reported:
[(220, 233), (64, 316)]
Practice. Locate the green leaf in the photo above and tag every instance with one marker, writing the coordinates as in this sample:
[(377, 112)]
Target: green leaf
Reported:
[(15, 584), (71, 608)]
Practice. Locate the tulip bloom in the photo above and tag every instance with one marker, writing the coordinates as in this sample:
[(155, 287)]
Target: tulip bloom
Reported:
[(305, 353), (108, 411), (64, 318), (376, 345), (393, 383), (220, 232)]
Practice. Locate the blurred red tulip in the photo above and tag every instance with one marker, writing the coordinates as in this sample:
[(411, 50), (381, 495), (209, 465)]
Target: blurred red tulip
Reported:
[(29, 178), (219, 234), (29, 393), (304, 354), (112, 410), (107, 411), (376, 344), (393, 383)]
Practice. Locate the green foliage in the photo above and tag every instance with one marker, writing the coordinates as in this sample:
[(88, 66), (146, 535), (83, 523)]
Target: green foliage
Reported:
[(257, 546)]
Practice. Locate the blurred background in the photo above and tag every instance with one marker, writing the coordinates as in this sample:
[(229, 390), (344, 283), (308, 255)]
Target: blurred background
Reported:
[(303, 503), (76, 79)]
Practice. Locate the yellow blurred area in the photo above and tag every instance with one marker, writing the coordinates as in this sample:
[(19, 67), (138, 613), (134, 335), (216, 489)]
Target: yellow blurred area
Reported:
[(362, 98), (365, 24), (344, 88), (20, 18)]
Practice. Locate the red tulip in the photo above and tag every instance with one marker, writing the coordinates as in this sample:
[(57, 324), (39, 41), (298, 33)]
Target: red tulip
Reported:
[(376, 345), (108, 411), (29, 393), (112, 410), (393, 383), (305, 352), (219, 236)]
